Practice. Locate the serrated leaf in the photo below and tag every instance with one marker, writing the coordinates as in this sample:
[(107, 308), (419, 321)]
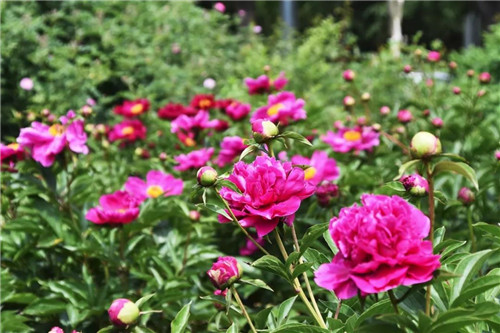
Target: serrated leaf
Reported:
[(179, 324), (457, 167)]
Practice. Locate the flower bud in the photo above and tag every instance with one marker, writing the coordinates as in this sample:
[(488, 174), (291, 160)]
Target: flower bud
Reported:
[(123, 312), (484, 77), (481, 93), (377, 127), (31, 116), (45, 113), (415, 184), (86, 111), (425, 144), (349, 75), (405, 116), (267, 68), (453, 65), (426, 113), (437, 122), (361, 120), (326, 192), (263, 130), (365, 97), (457, 90), (407, 69), (162, 156), (429, 83), (194, 215), (470, 73), (385, 110), (349, 101), (466, 196), (497, 155), (207, 176), (225, 272), (418, 53), (176, 49), (433, 56), (56, 329)]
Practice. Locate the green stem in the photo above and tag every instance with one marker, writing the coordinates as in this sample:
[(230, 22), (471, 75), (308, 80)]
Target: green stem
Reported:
[(431, 218), (242, 307), (393, 301), (235, 220), (471, 230), (270, 148)]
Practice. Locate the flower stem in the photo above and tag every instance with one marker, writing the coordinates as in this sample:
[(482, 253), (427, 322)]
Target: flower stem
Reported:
[(296, 283), (394, 301), (337, 311), (242, 307), (235, 219), (471, 230), (396, 142), (431, 218)]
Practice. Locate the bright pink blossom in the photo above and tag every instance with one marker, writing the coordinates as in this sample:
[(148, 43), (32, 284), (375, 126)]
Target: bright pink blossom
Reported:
[(56, 329), (220, 7), (26, 83), (237, 110), (115, 209), (497, 155), (283, 108), (193, 124), (484, 77), (380, 246), (263, 84), (357, 138), (349, 75), (11, 153), (45, 142), (157, 184), (128, 131), (415, 184), (320, 167), (133, 108), (271, 191), (231, 147), (437, 122), (405, 116), (225, 272), (193, 160), (433, 56)]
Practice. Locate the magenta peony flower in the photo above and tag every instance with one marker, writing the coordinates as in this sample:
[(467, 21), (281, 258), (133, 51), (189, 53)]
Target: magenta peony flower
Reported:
[(173, 110), (231, 147), (404, 116), (357, 138), (433, 56), (320, 167), (203, 102), (349, 75), (133, 108), (220, 7), (56, 329), (157, 184), (191, 124), (280, 82), (283, 108), (45, 142), (128, 131), (194, 160), (263, 84), (381, 247), (123, 312), (26, 83), (115, 208), (250, 248), (11, 153), (225, 272), (271, 191), (484, 77), (415, 184), (237, 110)]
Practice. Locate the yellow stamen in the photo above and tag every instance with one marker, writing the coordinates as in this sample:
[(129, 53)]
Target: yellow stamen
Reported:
[(205, 103), (137, 109), (56, 130), (154, 191), (121, 210), (274, 109), (309, 173), (352, 135), (127, 130), (189, 142), (14, 146)]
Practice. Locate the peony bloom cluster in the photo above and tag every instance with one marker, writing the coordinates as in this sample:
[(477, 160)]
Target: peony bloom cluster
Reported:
[(157, 184), (271, 191), (10, 154), (231, 147), (225, 272), (320, 167), (352, 139), (263, 84), (57, 329), (45, 142), (133, 108), (115, 209), (173, 110), (283, 108), (381, 247), (128, 130), (193, 160)]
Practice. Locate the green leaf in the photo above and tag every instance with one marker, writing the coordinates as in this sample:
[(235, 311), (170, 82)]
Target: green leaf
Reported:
[(260, 319), (457, 167), (44, 307), (143, 300), (404, 167), (272, 264), (299, 328), (142, 329), (215, 209), (233, 329), (256, 283), (107, 329), (492, 229), (316, 257), (14, 322), (384, 306), (299, 269), (297, 137), (454, 156), (328, 238), (228, 184), (284, 310), (179, 324), (477, 287), (311, 235), (248, 150)]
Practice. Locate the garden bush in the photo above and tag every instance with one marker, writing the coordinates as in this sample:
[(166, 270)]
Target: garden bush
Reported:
[(167, 163)]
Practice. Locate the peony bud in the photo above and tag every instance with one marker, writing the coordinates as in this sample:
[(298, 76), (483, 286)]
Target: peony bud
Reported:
[(415, 184), (361, 120), (123, 312), (484, 77), (349, 75), (470, 73), (207, 176), (466, 196), (457, 90), (267, 68), (437, 122), (433, 56), (349, 101), (385, 110), (264, 130), (220, 7), (176, 49), (481, 93), (225, 272), (56, 329), (426, 113), (405, 116), (407, 69), (326, 192), (26, 83), (453, 65), (162, 156), (497, 155), (425, 144), (377, 127), (45, 113), (365, 97), (429, 83), (418, 53), (194, 215), (31, 116), (86, 111)]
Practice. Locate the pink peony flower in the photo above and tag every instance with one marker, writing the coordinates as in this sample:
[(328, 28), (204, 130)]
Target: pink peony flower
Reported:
[(220, 7), (404, 116), (173, 110), (11, 153), (484, 77), (45, 142), (357, 138), (433, 56), (381, 247), (271, 191), (115, 209), (238, 111), (225, 272), (26, 83), (133, 108), (250, 248), (283, 108), (123, 312), (157, 184), (203, 102), (320, 167), (56, 329), (263, 84), (128, 131), (193, 124), (194, 160), (231, 147), (437, 122)]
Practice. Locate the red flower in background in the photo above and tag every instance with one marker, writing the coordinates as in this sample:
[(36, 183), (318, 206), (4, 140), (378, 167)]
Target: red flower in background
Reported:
[(128, 131), (173, 110), (203, 102), (133, 108)]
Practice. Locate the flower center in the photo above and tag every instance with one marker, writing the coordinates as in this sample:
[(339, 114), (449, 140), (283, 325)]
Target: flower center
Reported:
[(154, 191), (273, 110), (352, 135), (309, 173), (56, 130), (13, 146), (205, 103), (189, 142), (121, 210), (127, 130), (137, 109)]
